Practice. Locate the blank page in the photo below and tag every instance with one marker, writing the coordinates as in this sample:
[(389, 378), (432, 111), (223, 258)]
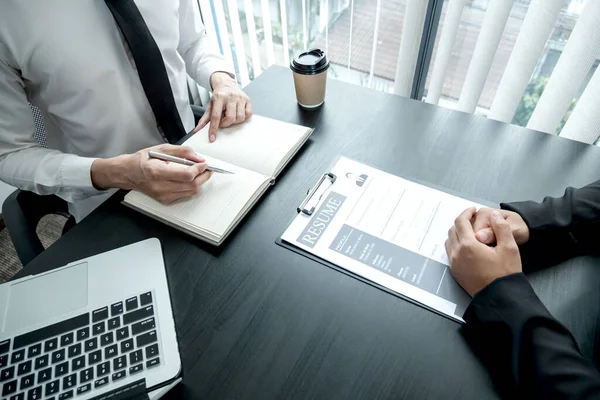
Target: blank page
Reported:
[(259, 144), (215, 208)]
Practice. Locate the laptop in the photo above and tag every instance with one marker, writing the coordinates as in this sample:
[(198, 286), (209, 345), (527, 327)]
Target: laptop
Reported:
[(98, 328)]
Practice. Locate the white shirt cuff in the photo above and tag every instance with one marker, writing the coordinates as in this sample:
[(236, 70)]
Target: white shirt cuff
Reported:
[(76, 173)]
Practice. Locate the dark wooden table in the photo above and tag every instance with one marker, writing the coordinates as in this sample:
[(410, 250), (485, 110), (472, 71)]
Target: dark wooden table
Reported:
[(257, 321)]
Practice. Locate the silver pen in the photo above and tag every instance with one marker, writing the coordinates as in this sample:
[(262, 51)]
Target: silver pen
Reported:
[(183, 161)]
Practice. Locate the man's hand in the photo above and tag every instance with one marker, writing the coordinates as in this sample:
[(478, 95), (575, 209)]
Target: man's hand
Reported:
[(475, 265), (163, 181), (229, 105), (485, 234)]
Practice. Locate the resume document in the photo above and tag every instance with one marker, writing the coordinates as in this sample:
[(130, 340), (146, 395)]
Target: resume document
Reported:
[(388, 230)]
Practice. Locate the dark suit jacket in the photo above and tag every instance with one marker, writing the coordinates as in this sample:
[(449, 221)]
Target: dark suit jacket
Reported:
[(528, 352)]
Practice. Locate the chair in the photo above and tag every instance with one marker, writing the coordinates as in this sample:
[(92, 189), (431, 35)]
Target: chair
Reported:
[(22, 210)]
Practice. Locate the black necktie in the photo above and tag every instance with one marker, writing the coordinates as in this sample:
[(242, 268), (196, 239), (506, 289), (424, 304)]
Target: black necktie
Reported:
[(150, 67)]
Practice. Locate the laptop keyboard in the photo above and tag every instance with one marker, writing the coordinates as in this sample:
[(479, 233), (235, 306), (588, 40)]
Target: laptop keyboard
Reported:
[(84, 353)]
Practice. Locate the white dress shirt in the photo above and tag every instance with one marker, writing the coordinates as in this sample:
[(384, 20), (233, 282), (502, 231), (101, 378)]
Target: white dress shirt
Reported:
[(68, 57)]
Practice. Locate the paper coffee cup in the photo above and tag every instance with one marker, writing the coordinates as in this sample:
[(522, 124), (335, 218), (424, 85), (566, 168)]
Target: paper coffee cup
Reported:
[(310, 77)]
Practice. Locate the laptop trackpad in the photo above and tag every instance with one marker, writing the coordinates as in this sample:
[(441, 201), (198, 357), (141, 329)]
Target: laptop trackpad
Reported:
[(46, 297)]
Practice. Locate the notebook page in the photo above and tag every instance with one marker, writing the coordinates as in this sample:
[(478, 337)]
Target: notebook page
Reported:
[(259, 144), (216, 207)]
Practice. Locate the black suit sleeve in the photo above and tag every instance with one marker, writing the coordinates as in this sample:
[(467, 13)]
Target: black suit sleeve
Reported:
[(563, 227), (528, 352), (530, 355)]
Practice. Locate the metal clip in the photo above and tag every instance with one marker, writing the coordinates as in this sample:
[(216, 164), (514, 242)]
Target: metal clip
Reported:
[(303, 207)]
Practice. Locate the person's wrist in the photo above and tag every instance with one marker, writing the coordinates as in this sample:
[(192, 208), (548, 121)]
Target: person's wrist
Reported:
[(108, 173), (521, 233), (220, 78), (522, 236)]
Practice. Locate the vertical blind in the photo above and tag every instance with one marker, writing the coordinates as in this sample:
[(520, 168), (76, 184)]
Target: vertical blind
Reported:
[(252, 33), (568, 75), (447, 37), (412, 30), (240, 53), (566, 79), (483, 55), (534, 34)]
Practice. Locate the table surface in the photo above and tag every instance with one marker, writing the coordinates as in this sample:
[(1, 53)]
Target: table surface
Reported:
[(255, 320)]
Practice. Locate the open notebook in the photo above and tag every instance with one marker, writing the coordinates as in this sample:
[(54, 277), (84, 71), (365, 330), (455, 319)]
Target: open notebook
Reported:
[(256, 151)]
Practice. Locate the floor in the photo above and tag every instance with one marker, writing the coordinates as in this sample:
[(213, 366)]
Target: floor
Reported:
[(48, 230)]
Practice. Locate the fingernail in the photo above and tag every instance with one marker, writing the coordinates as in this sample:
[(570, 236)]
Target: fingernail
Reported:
[(496, 215), (213, 138)]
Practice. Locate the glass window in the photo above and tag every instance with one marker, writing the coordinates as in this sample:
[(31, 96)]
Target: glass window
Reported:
[(468, 32)]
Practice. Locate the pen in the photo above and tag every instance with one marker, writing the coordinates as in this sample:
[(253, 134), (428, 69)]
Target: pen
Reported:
[(183, 161)]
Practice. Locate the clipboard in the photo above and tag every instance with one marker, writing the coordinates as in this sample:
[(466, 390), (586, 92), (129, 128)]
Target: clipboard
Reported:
[(311, 201)]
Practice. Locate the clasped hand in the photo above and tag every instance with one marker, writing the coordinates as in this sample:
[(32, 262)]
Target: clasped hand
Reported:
[(482, 246)]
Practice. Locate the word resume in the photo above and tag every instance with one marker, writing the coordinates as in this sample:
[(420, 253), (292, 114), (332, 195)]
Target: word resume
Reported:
[(388, 230)]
